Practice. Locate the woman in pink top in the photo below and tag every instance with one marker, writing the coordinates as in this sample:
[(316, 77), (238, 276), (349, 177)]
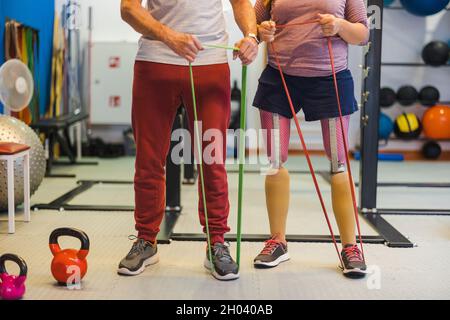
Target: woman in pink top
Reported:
[(304, 58)]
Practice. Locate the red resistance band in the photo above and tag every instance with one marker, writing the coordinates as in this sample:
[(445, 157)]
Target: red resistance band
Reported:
[(302, 140)]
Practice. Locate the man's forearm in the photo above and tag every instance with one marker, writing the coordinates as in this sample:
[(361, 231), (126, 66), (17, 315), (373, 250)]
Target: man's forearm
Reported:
[(142, 21), (245, 17)]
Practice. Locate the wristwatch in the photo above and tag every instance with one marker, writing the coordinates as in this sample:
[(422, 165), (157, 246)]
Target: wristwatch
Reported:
[(253, 36)]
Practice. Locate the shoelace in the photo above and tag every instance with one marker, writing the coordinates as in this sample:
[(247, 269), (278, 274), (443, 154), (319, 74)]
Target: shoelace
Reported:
[(221, 251), (138, 246), (270, 246), (353, 254)]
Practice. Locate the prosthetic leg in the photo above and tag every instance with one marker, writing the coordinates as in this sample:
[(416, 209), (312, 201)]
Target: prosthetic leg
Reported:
[(277, 182), (340, 190), (277, 129)]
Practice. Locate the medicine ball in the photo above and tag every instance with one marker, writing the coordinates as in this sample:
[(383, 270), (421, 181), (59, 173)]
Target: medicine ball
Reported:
[(431, 150), (407, 126), (436, 122), (385, 127), (407, 95), (424, 7), (436, 53), (429, 96), (387, 97)]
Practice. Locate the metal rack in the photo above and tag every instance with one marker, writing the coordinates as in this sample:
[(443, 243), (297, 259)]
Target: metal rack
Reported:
[(369, 148)]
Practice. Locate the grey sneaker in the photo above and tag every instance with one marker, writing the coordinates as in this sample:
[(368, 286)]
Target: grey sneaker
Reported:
[(224, 266), (354, 265), (142, 254), (274, 253)]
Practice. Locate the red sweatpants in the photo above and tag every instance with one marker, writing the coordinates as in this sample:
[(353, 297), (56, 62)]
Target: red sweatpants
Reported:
[(158, 91)]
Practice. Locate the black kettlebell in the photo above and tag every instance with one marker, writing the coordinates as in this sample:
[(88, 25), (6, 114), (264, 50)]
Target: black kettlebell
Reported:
[(429, 96), (407, 95), (436, 53)]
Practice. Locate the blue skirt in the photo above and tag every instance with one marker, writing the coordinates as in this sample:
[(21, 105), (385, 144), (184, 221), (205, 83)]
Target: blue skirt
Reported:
[(316, 96)]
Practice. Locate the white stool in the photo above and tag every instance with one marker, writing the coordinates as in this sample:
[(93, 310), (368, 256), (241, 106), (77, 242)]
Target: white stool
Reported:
[(9, 152)]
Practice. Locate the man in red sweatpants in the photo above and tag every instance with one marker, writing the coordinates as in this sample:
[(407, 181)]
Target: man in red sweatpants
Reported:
[(174, 33)]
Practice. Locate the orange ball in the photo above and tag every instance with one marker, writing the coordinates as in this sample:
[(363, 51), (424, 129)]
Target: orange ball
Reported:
[(436, 122)]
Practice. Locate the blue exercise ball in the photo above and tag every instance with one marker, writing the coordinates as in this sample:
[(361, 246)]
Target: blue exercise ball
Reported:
[(387, 3), (424, 7), (385, 127)]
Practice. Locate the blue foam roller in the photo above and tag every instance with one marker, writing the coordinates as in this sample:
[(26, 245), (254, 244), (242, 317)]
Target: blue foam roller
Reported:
[(383, 156)]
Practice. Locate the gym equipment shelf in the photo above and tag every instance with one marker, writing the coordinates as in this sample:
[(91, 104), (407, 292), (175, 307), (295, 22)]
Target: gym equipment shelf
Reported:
[(370, 110), (402, 8), (411, 64)]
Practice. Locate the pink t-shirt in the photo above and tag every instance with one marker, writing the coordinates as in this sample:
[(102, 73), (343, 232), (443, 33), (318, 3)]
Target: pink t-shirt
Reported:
[(303, 49)]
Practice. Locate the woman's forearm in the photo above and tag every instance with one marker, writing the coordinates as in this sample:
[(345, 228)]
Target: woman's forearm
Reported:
[(353, 33)]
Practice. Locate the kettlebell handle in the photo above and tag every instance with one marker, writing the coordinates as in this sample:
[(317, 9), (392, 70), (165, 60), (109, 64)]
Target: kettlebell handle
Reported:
[(14, 258), (70, 232)]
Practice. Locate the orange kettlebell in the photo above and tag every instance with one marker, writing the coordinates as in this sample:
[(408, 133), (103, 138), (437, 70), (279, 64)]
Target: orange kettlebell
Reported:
[(69, 266)]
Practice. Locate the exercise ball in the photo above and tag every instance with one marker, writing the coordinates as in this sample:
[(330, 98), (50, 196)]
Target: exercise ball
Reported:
[(436, 122), (385, 127), (424, 7), (429, 96), (14, 130), (387, 97), (407, 126), (431, 150), (387, 3), (436, 53), (407, 95)]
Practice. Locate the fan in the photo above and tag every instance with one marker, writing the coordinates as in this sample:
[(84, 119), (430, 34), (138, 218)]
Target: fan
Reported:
[(16, 85)]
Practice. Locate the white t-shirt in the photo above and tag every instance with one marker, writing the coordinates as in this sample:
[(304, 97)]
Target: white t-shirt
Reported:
[(202, 18)]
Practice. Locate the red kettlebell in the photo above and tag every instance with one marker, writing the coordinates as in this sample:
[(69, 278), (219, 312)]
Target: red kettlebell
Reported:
[(12, 287), (69, 266)]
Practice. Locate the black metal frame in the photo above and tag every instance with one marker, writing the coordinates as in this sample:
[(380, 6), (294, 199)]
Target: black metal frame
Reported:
[(262, 237), (57, 130), (62, 204), (369, 147), (370, 110), (173, 192), (388, 235)]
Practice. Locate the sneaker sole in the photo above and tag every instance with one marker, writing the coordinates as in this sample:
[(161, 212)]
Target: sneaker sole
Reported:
[(227, 277), (272, 264), (354, 273), (150, 261)]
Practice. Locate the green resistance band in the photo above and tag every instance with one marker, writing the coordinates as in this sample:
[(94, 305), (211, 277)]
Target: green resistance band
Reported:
[(243, 123), (219, 46), (200, 159), (241, 162)]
